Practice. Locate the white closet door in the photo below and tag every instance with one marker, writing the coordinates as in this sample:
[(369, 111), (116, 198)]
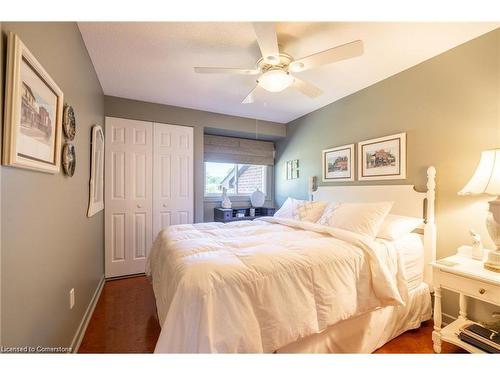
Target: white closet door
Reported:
[(173, 176), (128, 194)]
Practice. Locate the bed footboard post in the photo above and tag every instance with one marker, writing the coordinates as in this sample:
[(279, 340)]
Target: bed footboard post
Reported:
[(430, 227)]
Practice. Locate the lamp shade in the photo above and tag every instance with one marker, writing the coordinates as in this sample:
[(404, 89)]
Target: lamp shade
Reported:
[(486, 178)]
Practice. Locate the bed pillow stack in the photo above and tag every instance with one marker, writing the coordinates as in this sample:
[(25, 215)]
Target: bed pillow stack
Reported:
[(362, 218), (368, 219), (302, 210)]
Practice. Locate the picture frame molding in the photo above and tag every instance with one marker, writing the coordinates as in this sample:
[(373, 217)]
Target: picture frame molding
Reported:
[(402, 158), (16, 49), (351, 149)]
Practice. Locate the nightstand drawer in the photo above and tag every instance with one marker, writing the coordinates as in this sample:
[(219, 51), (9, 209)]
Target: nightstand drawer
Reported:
[(470, 287)]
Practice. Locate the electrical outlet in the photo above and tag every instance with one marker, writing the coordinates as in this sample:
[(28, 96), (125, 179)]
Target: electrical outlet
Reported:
[(72, 298)]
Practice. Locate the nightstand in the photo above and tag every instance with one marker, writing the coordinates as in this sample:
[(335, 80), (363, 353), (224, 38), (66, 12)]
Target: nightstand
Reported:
[(469, 279), (226, 215)]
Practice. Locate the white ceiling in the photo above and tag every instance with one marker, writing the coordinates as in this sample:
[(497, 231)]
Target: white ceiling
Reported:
[(154, 62)]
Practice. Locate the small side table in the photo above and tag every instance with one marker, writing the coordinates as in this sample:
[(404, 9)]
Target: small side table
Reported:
[(468, 278), (226, 215)]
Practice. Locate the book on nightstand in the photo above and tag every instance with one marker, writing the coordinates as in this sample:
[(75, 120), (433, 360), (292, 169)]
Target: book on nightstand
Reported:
[(480, 337)]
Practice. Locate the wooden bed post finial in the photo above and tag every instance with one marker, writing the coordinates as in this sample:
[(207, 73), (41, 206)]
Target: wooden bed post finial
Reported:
[(431, 194), (430, 233)]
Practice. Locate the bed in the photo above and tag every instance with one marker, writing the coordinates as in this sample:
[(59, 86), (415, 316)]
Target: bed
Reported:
[(287, 286)]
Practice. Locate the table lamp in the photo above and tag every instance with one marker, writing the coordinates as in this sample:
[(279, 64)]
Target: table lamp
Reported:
[(486, 180)]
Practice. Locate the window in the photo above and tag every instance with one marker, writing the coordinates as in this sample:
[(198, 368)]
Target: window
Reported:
[(238, 179)]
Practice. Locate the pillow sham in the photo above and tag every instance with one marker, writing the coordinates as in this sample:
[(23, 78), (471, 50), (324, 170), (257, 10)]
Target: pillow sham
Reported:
[(327, 212), (286, 209), (309, 211), (362, 218), (397, 226), (301, 210)]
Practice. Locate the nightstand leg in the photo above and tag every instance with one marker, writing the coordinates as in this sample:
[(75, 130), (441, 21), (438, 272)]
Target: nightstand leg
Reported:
[(463, 307), (436, 334)]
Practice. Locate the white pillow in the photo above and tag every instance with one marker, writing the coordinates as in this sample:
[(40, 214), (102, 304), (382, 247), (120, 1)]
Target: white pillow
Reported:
[(361, 218), (286, 210), (309, 211), (301, 210), (397, 226), (327, 212)]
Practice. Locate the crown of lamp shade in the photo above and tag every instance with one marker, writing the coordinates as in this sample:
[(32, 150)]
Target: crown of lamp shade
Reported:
[(486, 178)]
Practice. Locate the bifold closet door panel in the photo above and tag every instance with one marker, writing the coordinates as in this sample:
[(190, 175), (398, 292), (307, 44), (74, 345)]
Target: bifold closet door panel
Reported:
[(173, 194), (128, 195)]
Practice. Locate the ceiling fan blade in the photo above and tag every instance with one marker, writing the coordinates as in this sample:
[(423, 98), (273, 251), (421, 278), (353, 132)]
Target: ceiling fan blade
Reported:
[(209, 70), (268, 41), (307, 88), (343, 52), (250, 98)]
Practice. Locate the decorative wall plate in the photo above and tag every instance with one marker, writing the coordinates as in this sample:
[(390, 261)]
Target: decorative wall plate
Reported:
[(69, 159), (69, 122)]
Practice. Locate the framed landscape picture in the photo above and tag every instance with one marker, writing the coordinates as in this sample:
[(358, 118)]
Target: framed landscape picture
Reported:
[(33, 112), (338, 164), (382, 158)]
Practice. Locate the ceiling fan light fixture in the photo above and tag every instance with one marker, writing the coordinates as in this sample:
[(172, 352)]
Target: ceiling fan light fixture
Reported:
[(275, 80), (296, 66)]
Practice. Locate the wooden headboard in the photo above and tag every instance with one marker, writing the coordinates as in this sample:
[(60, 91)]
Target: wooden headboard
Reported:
[(407, 201)]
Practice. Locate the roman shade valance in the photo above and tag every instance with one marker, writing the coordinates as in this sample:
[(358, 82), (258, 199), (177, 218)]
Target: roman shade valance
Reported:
[(238, 150)]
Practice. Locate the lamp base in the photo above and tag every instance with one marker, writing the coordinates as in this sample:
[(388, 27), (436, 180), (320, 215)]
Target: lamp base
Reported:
[(493, 261), (493, 226)]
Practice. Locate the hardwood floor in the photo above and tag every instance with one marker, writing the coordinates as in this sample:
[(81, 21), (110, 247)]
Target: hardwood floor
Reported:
[(124, 321), (417, 341)]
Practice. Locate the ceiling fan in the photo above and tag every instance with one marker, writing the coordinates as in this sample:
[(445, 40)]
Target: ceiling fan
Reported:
[(275, 67)]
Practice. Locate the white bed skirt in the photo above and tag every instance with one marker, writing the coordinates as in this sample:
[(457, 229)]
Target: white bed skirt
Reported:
[(368, 332)]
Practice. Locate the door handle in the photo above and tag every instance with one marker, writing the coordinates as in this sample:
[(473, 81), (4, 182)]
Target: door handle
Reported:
[(139, 206), (164, 205)]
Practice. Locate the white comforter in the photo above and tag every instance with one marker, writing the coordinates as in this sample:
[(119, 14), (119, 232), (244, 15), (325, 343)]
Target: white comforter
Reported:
[(259, 285)]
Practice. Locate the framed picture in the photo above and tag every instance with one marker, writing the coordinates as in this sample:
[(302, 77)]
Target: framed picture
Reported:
[(338, 163), (33, 112), (96, 199), (382, 158), (295, 169), (288, 170), (292, 169)]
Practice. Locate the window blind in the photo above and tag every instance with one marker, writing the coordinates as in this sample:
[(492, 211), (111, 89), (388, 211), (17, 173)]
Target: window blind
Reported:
[(238, 150)]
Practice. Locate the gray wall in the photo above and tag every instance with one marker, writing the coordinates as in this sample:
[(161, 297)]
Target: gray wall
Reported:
[(449, 106), (202, 122), (48, 244)]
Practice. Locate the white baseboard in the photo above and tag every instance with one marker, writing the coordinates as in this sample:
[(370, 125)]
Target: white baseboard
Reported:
[(80, 332)]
